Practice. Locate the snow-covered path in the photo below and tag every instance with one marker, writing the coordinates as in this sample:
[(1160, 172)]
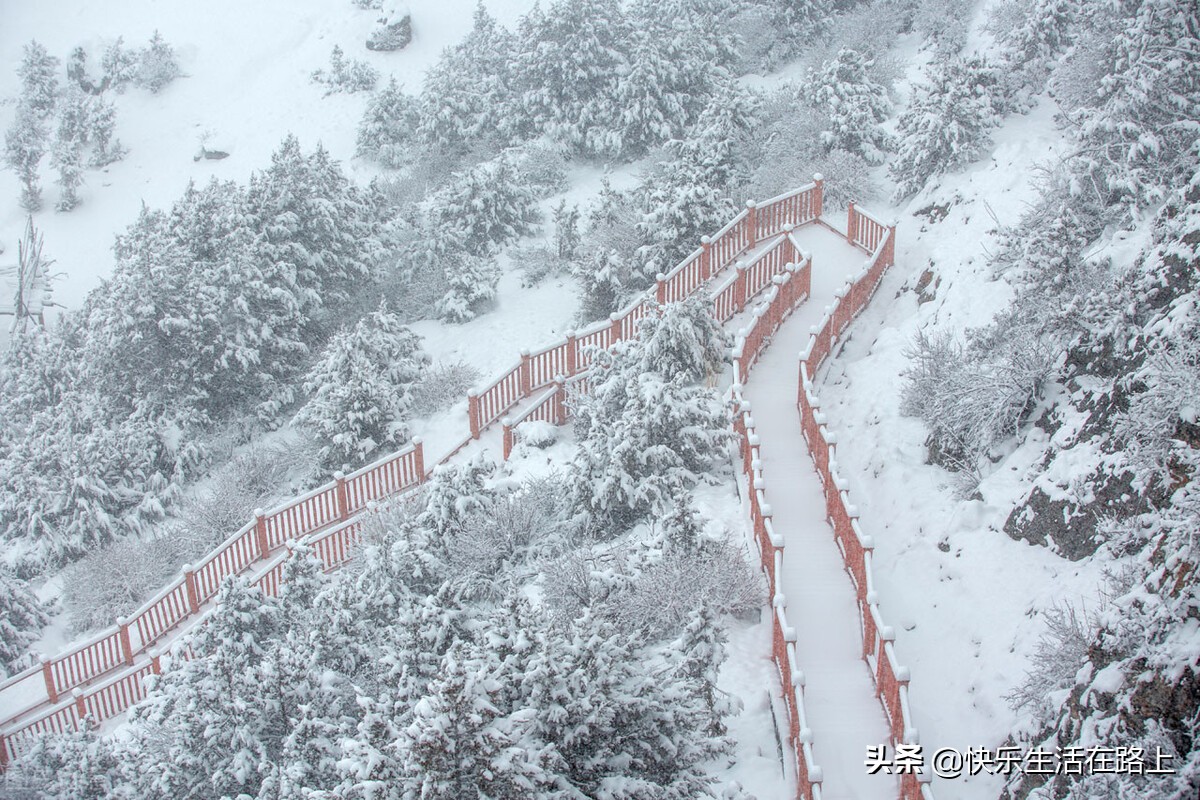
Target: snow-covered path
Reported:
[(843, 711)]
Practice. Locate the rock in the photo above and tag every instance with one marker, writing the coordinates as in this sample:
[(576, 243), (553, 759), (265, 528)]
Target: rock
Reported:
[(392, 36)]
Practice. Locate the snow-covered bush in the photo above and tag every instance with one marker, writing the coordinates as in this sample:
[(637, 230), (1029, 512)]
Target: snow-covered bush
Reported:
[(946, 125), (853, 104), (22, 617), (649, 429), (38, 73), (118, 65), (974, 397), (470, 283), (442, 385), (388, 126), (156, 65), (345, 75), (484, 208), (1034, 33), (66, 153), (362, 389), (943, 23)]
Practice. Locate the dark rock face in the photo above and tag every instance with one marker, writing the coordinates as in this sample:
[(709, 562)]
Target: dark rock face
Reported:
[(392, 36), (1069, 528)]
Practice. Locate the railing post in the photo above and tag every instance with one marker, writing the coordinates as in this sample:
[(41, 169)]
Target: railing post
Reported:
[(706, 269), (473, 412), (48, 676), (189, 580), (126, 645), (508, 437), (614, 332), (818, 195), (660, 289), (851, 223), (260, 533), (525, 375), (3, 753), (572, 353), (740, 296), (339, 493), (789, 247), (80, 707), (890, 253), (560, 396), (419, 458), (155, 663), (751, 223)]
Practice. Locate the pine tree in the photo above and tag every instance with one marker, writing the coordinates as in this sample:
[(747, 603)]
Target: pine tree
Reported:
[(569, 62), (648, 429), (947, 123), (66, 154), (470, 286), (362, 389), (388, 127), (156, 65), (118, 65), (39, 80), (24, 146), (102, 123), (467, 97), (855, 105), (484, 209), (22, 616)]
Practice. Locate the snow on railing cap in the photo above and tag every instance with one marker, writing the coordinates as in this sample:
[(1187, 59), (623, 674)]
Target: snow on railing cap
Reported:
[(747, 407), (751, 204), (705, 240), (154, 652), (903, 673), (660, 276), (815, 774), (416, 440), (788, 227), (765, 509), (472, 392), (887, 633), (338, 475), (818, 176), (43, 658), (186, 568), (760, 483), (525, 352), (851, 510), (754, 440), (799, 679), (872, 598), (570, 334), (756, 464), (867, 541), (806, 734), (806, 255), (778, 601), (372, 505), (789, 634), (559, 377), (258, 512), (506, 422)]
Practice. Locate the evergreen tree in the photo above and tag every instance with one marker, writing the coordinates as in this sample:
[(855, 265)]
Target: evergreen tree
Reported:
[(648, 429), (156, 65), (470, 286), (66, 154), (24, 146), (39, 80), (484, 209), (22, 617), (946, 125), (468, 95), (388, 127), (362, 389), (854, 103)]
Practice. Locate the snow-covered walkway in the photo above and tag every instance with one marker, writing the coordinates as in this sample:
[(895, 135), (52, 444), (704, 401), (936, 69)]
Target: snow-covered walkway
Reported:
[(843, 712)]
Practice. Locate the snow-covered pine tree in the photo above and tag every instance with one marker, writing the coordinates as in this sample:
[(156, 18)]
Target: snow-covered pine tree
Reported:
[(649, 428), (345, 76), (156, 65), (22, 617), (38, 72), (569, 62), (484, 208), (388, 127), (66, 154), (470, 283), (854, 105), (362, 389), (24, 146), (1141, 138), (101, 125), (468, 95), (453, 494), (315, 223), (689, 195), (207, 724), (946, 125), (1034, 33), (118, 65)]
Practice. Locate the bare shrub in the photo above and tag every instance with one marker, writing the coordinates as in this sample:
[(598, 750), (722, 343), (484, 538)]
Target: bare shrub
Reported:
[(974, 397), (1060, 653), (442, 386)]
